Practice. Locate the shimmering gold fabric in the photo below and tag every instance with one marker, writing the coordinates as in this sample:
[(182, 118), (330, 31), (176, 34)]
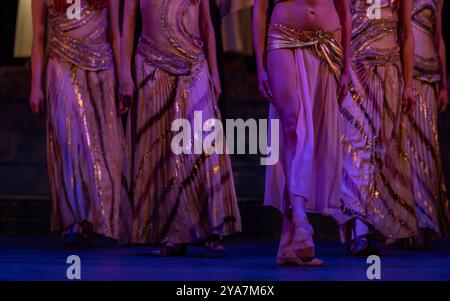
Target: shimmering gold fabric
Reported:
[(167, 59), (377, 181), (82, 42), (429, 185), (177, 198), (427, 69), (425, 16), (323, 43), (84, 135)]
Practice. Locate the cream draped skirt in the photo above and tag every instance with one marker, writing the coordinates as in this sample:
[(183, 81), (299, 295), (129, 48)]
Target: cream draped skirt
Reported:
[(316, 168)]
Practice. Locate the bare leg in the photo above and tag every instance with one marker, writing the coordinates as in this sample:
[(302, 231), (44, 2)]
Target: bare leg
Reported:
[(283, 81), (282, 73)]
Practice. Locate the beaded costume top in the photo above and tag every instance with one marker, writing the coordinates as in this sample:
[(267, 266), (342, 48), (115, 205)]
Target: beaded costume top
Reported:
[(82, 42), (425, 15), (424, 19), (173, 45), (367, 30)]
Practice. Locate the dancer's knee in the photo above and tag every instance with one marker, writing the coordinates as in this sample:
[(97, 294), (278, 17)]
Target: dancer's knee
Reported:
[(290, 129)]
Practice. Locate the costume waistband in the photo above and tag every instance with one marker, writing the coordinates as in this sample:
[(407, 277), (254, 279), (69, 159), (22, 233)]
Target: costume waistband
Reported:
[(167, 59), (88, 55), (323, 43), (378, 56), (427, 69)]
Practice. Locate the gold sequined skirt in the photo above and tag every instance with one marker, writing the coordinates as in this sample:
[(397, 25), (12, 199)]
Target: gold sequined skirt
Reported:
[(429, 189), (177, 198), (85, 149), (377, 183)]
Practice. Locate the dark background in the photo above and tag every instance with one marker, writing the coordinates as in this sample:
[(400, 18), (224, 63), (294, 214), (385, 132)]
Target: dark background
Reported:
[(8, 15)]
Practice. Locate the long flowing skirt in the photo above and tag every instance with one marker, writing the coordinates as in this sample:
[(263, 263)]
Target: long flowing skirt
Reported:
[(376, 173), (316, 168), (85, 148), (428, 182), (177, 198)]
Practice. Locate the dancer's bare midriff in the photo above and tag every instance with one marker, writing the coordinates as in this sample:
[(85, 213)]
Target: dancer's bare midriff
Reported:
[(307, 14)]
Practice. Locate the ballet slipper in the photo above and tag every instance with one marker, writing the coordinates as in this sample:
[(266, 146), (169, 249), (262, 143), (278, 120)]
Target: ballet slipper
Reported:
[(214, 246), (295, 261), (302, 242), (291, 259), (359, 242)]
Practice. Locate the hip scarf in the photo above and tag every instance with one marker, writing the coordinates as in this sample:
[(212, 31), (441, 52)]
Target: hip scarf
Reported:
[(322, 43)]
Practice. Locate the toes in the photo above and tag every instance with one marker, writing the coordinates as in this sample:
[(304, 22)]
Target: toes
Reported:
[(314, 263)]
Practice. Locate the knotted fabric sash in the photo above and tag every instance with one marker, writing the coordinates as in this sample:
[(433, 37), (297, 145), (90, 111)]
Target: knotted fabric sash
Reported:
[(166, 59), (323, 43)]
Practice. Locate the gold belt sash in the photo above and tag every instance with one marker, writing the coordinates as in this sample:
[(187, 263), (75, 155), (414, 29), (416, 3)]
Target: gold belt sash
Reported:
[(323, 43), (166, 59), (427, 69), (88, 55)]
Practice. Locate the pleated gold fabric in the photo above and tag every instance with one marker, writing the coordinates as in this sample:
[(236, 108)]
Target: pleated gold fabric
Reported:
[(377, 184), (84, 134), (177, 198), (424, 152), (429, 185)]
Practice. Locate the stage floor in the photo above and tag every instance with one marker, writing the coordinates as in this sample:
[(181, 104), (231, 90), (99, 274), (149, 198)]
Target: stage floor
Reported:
[(39, 259)]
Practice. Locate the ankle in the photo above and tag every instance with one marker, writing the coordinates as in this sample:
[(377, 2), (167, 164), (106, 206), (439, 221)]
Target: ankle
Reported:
[(360, 229), (75, 228), (300, 218)]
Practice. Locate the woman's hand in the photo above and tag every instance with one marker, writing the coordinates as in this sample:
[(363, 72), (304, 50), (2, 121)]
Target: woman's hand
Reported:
[(126, 93), (342, 88), (37, 103), (408, 102), (216, 85), (443, 100), (264, 85)]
